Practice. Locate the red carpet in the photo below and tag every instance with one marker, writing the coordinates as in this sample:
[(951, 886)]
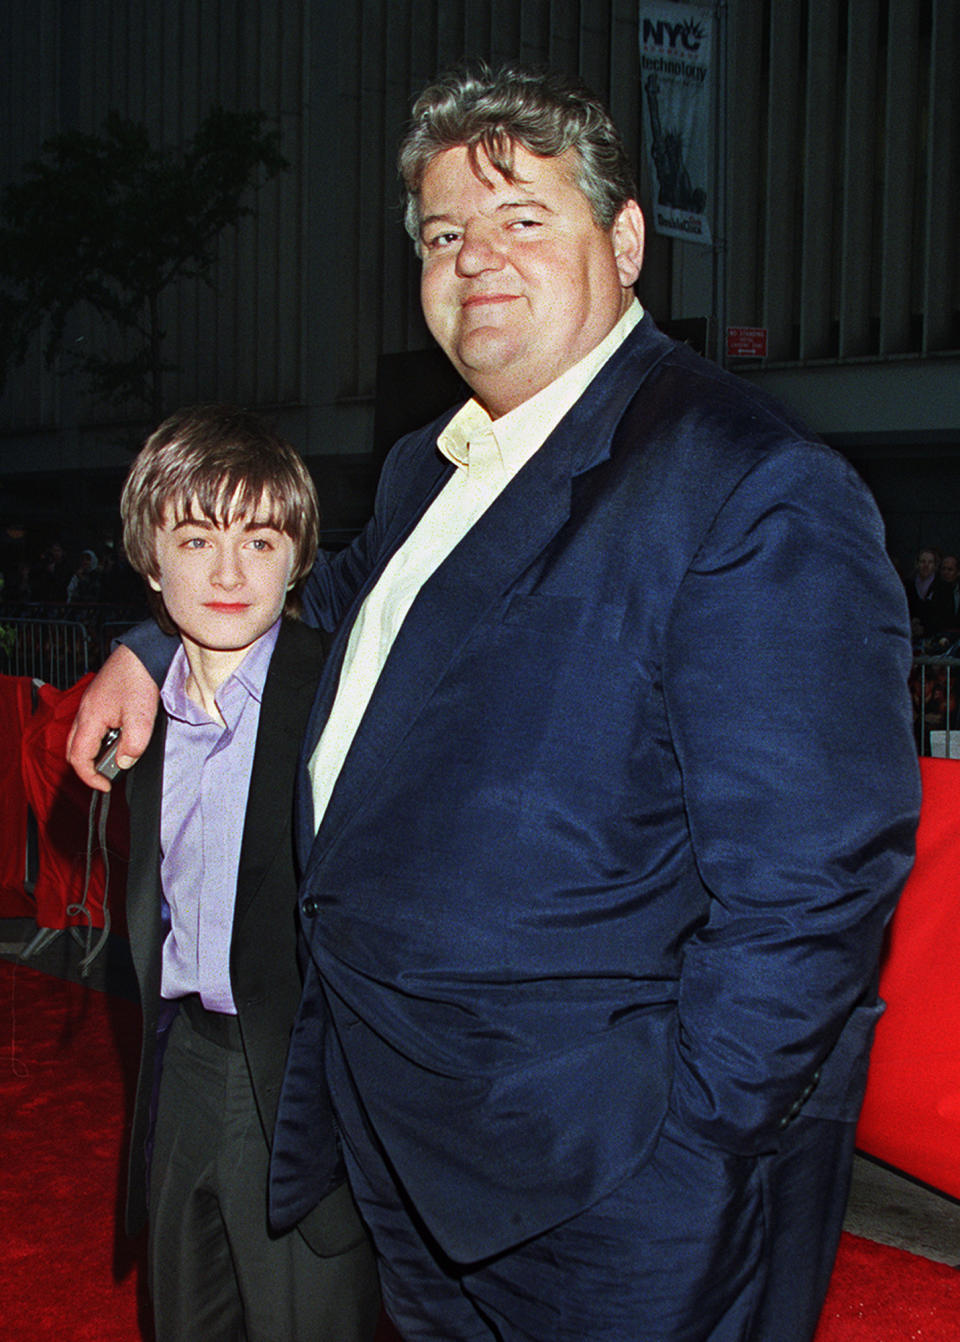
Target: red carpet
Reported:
[(66, 1055), (65, 1273), (67, 1063), (880, 1294)]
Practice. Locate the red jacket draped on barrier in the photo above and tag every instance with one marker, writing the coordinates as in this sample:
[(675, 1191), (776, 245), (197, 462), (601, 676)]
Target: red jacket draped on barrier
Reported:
[(14, 712), (911, 1115), (61, 804)]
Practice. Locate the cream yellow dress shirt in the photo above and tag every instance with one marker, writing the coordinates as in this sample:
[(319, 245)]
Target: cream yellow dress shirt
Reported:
[(488, 454)]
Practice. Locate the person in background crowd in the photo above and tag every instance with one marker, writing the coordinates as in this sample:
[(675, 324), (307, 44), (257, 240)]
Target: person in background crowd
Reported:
[(944, 617), (23, 582), (84, 586), (121, 584), (51, 576), (920, 588)]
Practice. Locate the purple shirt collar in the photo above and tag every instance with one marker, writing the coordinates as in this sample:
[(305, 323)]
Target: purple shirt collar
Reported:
[(249, 677)]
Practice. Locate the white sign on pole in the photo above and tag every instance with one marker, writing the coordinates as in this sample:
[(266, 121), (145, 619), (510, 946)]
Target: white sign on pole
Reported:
[(677, 91)]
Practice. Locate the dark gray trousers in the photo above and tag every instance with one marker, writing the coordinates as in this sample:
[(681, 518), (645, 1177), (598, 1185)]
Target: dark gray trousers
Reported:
[(217, 1273)]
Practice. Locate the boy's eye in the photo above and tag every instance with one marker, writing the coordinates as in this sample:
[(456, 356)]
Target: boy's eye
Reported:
[(194, 542), (263, 541)]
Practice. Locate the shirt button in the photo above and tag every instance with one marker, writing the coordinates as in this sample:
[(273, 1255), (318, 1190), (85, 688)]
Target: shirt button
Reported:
[(310, 907)]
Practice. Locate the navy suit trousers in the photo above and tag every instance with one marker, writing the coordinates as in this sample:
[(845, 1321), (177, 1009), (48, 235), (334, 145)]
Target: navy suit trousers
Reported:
[(698, 1245)]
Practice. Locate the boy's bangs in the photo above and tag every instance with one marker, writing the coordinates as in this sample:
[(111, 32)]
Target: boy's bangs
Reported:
[(224, 501)]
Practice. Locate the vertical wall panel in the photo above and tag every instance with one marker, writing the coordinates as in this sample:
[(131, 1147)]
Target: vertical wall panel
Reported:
[(267, 221), (534, 30), (331, 101), (411, 30), (29, 105), (369, 275), (819, 243), (623, 93), (595, 46), (860, 217), (858, 230), (288, 236), (243, 302), (842, 209), (941, 281), (785, 116), (478, 28), (745, 134), (450, 44), (564, 47), (505, 29), (899, 168), (149, 107)]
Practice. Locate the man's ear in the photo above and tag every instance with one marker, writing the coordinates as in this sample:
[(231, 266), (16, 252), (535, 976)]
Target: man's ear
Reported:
[(153, 583), (628, 235)]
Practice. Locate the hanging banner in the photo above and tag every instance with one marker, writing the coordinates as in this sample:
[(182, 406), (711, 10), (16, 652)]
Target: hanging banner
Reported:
[(677, 91)]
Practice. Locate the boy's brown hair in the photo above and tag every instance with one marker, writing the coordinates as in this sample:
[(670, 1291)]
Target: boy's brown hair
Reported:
[(220, 463)]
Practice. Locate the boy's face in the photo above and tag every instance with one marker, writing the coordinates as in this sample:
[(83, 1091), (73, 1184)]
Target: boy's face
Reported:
[(223, 586)]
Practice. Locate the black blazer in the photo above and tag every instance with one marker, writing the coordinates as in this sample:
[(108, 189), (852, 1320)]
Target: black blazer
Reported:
[(263, 957)]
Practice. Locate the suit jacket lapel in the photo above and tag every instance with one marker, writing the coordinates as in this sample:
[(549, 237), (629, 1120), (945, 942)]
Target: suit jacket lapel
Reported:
[(517, 526), (433, 473), (143, 899), (287, 695)]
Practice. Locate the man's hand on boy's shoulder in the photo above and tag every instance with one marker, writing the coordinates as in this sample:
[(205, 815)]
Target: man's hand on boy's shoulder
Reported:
[(122, 694)]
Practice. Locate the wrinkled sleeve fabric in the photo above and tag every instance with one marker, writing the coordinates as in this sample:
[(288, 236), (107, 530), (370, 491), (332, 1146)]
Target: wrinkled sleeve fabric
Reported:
[(152, 646), (785, 670), (336, 579)]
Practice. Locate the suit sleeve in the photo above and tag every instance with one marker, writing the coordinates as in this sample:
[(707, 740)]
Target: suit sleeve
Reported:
[(154, 648), (785, 672), (335, 579)]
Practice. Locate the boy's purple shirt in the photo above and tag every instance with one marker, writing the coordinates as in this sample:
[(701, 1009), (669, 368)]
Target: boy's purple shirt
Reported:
[(206, 780)]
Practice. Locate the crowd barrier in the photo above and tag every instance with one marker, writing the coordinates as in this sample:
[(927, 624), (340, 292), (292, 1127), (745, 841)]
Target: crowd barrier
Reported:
[(58, 644), (933, 689), (53, 651)]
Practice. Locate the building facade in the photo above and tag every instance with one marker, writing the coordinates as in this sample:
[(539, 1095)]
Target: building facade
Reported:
[(835, 209)]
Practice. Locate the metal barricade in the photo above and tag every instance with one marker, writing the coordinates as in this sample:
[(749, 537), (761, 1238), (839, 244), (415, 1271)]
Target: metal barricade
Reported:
[(934, 682), (54, 651), (59, 643)]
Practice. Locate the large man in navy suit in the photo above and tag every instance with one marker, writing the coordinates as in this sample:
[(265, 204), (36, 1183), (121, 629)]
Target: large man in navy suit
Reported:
[(608, 793)]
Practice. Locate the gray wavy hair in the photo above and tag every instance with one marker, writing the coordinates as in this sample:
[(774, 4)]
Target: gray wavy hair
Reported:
[(543, 110)]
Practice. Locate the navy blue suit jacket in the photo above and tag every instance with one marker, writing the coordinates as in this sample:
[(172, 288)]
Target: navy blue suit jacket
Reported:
[(625, 818)]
